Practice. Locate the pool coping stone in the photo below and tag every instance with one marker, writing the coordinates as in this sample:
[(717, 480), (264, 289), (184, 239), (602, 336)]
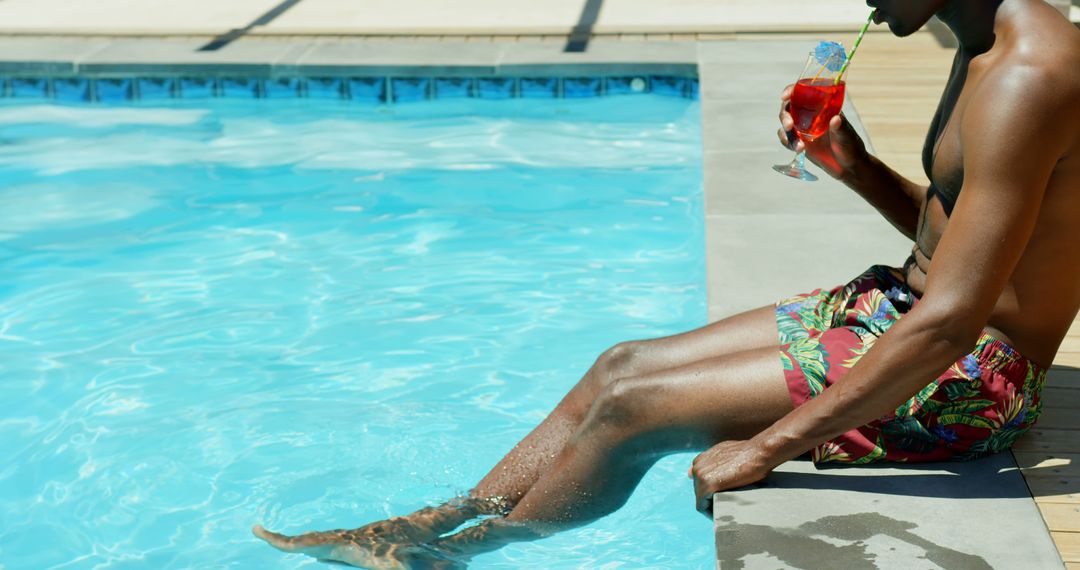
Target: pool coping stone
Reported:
[(885, 517), (260, 57)]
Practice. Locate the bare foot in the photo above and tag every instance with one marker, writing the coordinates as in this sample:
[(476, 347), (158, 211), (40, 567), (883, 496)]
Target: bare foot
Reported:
[(366, 550), (430, 523)]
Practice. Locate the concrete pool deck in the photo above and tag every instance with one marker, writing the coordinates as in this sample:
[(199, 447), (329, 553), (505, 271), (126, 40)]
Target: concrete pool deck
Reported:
[(428, 17), (418, 17), (757, 223)]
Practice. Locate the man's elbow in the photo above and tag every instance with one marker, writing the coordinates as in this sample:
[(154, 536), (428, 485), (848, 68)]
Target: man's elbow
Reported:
[(953, 333)]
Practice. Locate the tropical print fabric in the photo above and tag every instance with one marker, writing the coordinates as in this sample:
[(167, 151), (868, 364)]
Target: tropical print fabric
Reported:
[(980, 405)]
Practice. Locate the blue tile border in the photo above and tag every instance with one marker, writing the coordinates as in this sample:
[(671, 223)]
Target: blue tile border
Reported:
[(539, 87), (241, 88), (324, 88), (29, 87), (371, 89), (196, 87), (454, 87), (627, 85), (72, 89), (497, 88), (283, 88), (363, 89), (156, 89), (408, 89), (583, 87)]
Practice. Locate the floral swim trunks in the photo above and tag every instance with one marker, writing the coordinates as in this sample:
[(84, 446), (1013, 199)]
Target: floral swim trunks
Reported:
[(979, 406)]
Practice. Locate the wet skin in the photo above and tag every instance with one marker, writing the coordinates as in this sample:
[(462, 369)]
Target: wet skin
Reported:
[(1007, 132)]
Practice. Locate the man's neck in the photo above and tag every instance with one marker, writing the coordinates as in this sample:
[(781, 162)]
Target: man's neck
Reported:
[(972, 22)]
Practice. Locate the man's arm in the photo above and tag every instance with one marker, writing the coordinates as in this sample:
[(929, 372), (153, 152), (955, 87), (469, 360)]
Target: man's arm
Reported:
[(842, 153), (1012, 138), (898, 199)]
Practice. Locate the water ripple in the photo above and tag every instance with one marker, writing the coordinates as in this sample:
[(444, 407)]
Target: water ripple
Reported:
[(307, 316)]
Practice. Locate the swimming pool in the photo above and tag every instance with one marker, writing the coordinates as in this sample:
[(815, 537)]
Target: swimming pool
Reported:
[(313, 314)]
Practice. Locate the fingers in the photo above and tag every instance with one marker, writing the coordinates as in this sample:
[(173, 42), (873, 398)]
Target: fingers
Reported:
[(703, 497), (839, 139), (839, 127), (787, 128), (789, 139), (705, 506), (703, 491), (786, 134), (785, 95), (836, 125), (787, 122), (845, 143)]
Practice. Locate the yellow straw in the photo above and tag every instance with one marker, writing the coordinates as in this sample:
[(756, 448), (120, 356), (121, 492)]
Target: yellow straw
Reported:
[(855, 48)]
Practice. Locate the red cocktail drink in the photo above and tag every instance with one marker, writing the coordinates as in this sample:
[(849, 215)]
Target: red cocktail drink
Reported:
[(814, 103), (815, 99)]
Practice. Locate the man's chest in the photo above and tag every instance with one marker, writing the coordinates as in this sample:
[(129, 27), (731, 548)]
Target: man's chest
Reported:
[(943, 151)]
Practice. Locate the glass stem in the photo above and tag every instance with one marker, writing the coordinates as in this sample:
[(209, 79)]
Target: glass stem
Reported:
[(798, 162)]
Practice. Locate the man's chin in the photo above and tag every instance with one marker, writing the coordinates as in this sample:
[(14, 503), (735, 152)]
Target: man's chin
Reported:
[(901, 32)]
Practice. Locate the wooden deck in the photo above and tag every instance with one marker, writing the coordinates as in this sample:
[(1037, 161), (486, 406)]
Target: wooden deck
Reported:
[(1050, 455), (895, 86)]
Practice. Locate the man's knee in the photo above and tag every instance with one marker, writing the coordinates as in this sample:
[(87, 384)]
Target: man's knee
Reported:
[(620, 361), (623, 405)]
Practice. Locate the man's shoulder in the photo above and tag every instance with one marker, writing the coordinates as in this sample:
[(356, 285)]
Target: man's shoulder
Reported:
[(1027, 107), (1023, 86), (1038, 68)]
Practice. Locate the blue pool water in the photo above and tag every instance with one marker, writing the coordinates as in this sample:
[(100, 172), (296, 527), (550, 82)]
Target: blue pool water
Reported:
[(317, 314)]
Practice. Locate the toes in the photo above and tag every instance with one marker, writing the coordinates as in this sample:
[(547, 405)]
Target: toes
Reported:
[(277, 540), (309, 543)]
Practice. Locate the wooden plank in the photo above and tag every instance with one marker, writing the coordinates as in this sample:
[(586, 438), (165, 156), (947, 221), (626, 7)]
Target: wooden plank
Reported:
[(1045, 440), (1051, 477), (1059, 418), (1068, 544), (1063, 378), (1067, 396), (1056, 465), (1070, 359), (1061, 517), (1049, 490)]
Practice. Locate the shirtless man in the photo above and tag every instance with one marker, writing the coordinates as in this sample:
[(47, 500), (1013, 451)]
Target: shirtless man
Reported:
[(996, 266)]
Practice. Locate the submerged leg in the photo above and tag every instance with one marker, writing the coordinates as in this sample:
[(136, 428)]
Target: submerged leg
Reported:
[(346, 547), (635, 422), (505, 485)]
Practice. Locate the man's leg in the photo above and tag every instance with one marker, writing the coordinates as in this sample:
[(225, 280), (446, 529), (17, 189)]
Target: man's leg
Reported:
[(501, 489), (523, 465), (630, 426), (638, 420), (632, 423)]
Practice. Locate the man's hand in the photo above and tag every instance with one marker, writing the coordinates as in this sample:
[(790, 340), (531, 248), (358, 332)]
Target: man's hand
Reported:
[(728, 465), (837, 152)]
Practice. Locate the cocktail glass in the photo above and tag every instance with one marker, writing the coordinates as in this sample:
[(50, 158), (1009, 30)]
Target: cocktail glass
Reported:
[(816, 99)]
